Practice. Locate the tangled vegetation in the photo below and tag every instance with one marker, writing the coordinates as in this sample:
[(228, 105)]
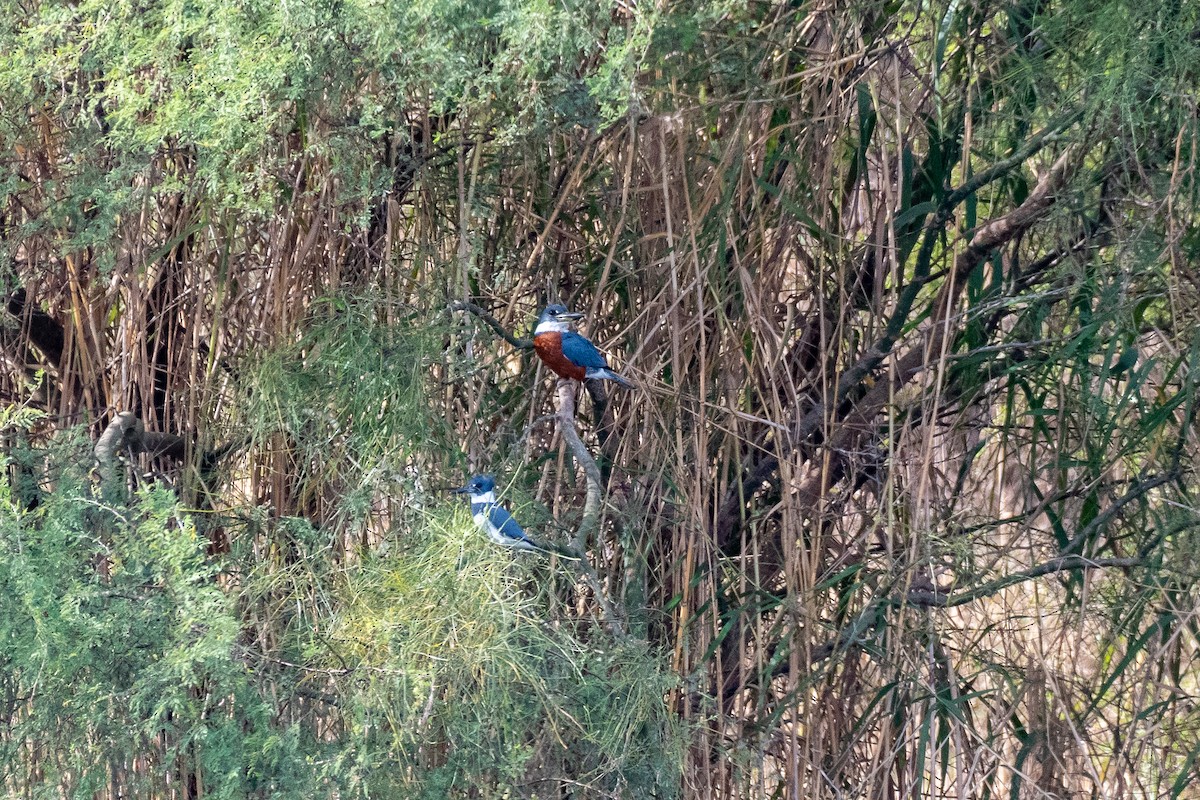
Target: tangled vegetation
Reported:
[(903, 504)]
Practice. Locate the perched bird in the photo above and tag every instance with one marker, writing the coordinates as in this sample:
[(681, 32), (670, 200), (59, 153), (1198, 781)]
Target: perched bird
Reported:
[(568, 353), (495, 521)]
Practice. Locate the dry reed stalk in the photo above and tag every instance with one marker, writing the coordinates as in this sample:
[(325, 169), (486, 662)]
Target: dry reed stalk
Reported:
[(784, 478)]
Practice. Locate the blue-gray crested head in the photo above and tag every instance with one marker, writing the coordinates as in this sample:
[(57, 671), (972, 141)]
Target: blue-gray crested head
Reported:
[(557, 312), (479, 484)]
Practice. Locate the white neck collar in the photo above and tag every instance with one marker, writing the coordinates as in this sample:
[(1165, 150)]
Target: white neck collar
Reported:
[(486, 497), (551, 326)]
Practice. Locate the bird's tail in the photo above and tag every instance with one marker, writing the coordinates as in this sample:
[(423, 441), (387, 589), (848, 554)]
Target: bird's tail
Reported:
[(603, 373), (553, 549)]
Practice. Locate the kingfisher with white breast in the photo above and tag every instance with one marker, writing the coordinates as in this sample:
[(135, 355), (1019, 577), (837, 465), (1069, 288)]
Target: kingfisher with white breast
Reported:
[(495, 521)]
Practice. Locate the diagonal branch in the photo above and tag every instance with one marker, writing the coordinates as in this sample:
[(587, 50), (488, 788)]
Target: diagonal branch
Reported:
[(872, 616), (1137, 490), (493, 323), (986, 238), (926, 598)]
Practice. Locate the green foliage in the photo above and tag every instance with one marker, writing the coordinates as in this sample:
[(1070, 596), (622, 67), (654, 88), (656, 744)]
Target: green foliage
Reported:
[(780, 222), (116, 636), (121, 635), (218, 89), (455, 671), (349, 398)]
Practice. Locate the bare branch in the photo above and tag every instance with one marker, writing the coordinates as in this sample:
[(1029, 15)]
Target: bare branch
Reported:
[(926, 598), (566, 426), (493, 323), (125, 431), (985, 239), (1136, 491), (590, 521)]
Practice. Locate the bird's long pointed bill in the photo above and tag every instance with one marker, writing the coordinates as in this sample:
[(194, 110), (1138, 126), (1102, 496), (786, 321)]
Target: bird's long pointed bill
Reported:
[(460, 490), (570, 315)]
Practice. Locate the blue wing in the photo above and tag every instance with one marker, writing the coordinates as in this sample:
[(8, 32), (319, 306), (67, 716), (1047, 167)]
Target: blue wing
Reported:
[(504, 523), (580, 351)]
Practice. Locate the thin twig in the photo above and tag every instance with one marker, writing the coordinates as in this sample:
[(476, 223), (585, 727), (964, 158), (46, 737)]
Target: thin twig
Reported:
[(493, 323)]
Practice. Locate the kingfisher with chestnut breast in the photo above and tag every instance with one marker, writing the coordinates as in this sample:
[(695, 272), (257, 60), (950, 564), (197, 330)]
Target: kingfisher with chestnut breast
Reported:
[(567, 353)]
